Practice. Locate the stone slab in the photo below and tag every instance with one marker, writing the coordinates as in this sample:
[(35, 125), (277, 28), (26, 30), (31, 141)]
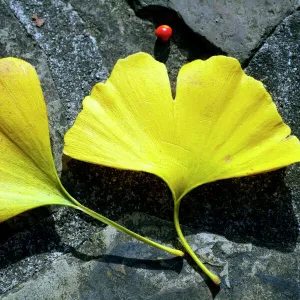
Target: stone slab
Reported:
[(236, 27)]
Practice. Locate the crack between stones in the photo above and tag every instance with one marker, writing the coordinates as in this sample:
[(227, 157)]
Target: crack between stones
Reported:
[(256, 49)]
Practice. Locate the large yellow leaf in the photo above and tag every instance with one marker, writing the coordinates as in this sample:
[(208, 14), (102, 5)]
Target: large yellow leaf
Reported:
[(222, 123), (28, 177)]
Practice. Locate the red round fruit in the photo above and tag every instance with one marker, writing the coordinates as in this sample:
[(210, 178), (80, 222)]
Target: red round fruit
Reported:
[(164, 32)]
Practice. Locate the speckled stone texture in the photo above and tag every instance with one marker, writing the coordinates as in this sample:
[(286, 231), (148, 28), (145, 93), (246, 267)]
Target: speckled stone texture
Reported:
[(246, 230)]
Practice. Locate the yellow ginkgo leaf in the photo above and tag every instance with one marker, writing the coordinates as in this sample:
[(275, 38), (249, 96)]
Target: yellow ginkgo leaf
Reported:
[(28, 177), (221, 124)]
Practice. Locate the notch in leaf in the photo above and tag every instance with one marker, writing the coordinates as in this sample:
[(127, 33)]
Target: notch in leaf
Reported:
[(28, 177), (222, 124)]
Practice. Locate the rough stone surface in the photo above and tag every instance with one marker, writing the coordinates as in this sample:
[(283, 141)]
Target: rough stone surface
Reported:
[(277, 65), (112, 266), (72, 52), (246, 229), (236, 27)]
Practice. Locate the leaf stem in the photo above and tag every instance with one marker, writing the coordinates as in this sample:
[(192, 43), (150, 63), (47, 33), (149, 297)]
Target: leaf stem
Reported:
[(187, 247), (119, 227), (125, 230)]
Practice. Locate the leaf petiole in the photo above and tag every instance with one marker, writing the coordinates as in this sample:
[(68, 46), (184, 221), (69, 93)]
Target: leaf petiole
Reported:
[(125, 230), (93, 214), (187, 247)]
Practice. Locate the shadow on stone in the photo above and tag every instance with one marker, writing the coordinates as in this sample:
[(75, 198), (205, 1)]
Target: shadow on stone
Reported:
[(283, 286), (115, 193), (194, 45), (161, 50), (213, 288), (175, 264), (255, 209), (25, 235)]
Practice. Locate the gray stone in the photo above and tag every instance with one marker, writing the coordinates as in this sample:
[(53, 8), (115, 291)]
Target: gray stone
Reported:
[(113, 266), (236, 27), (277, 65), (118, 31)]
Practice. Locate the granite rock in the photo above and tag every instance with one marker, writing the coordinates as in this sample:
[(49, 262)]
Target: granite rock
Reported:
[(236, 27), (112, 266), (277, 65)]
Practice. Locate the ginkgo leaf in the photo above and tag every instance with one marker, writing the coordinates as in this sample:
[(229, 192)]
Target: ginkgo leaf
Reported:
[(221, 124), (28, 177)]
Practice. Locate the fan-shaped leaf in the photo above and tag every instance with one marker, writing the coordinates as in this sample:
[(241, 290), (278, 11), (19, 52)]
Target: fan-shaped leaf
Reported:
[(28, 177), (222, 123)]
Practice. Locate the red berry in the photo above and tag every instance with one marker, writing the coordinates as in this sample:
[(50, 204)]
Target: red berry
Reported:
[(164, 32)]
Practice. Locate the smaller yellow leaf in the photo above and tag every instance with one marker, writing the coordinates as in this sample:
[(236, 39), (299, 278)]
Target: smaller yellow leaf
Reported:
[(28, 178)]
